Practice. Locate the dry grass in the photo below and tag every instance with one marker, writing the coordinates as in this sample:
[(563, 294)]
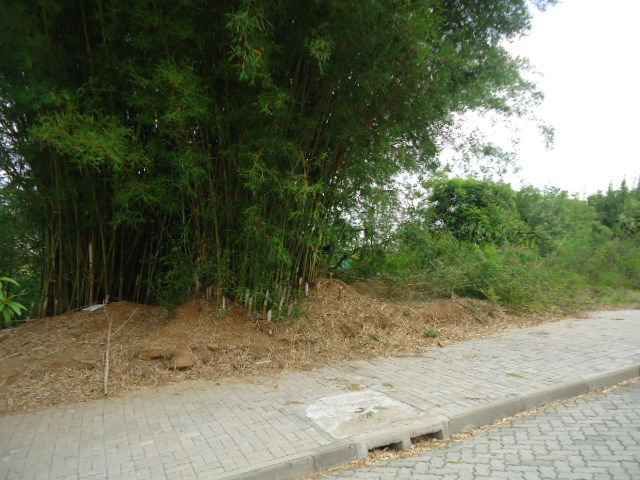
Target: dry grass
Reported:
[(58, 360)]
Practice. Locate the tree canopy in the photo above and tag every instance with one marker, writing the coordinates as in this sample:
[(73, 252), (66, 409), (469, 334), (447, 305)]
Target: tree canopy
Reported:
[(164, 148), (476, 211)]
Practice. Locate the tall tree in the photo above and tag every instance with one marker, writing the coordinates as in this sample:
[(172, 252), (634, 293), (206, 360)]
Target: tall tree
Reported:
[(172, 146)]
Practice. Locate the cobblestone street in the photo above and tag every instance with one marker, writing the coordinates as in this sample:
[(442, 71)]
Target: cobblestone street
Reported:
[(594, 438)]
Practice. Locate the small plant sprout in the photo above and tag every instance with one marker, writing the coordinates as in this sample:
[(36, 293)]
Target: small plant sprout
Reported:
[(431, 333)]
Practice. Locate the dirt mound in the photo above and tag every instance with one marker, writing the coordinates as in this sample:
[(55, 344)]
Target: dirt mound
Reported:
[(61, 359), (399, 325)]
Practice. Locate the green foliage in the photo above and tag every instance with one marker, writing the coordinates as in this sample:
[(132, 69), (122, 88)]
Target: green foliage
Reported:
[(475, 211), (176, 281), (550, 251), (431, 333), (552, 217), (19, 246), (91, 144), (10, 309), (441, 266), (619, 209), (239, 134)]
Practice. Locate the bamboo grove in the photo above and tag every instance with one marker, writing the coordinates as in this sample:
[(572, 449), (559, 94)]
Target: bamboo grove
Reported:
[(165, 149)]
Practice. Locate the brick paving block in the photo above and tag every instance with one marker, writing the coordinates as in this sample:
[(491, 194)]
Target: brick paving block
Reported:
[(235, 426)]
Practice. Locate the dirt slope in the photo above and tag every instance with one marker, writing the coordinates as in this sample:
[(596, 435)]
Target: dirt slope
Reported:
[(60, 359)]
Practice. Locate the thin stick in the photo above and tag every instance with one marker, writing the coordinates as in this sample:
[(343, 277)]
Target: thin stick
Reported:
[(106, 356), (115, 334), (10, 356)]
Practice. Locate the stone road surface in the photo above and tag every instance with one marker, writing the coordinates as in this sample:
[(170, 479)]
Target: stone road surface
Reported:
[(594, 438), (207, 431)]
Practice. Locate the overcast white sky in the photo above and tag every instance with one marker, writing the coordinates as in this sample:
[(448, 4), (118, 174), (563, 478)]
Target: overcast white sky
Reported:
[(588, 53)]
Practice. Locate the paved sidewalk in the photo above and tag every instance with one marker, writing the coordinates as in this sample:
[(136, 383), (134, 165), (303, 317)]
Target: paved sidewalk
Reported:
[(207, 431), (591, 439)]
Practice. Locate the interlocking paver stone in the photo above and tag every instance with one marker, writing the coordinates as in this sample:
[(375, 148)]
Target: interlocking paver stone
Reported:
[(571, 424), (201, 430)]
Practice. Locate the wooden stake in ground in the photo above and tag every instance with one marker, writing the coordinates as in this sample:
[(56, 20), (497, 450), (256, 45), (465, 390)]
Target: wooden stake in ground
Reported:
[(108, 349), (106, 354)]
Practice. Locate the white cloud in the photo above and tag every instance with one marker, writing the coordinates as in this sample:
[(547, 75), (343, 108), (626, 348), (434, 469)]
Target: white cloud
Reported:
[(587, 54)]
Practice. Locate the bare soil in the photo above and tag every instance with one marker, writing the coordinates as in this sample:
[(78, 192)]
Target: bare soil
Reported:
[(59, 360)]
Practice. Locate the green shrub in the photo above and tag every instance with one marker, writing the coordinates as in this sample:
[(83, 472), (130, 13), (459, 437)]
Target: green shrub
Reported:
[(176, 280), (10, 309), (431, 333), (530, 250), (436, 265), (476, 211)]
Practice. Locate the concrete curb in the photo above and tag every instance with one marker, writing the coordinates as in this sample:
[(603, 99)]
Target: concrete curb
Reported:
[(401, 434), (303, 465), (488, 414)]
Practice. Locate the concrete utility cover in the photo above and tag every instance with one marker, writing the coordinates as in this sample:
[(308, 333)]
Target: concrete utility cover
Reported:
[(357, 412)]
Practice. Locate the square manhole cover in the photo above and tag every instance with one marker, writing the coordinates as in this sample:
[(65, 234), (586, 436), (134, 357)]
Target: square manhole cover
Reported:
[(358, 412)]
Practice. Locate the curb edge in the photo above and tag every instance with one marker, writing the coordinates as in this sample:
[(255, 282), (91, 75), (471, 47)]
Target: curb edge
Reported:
[(442, 427), (489, 414)]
